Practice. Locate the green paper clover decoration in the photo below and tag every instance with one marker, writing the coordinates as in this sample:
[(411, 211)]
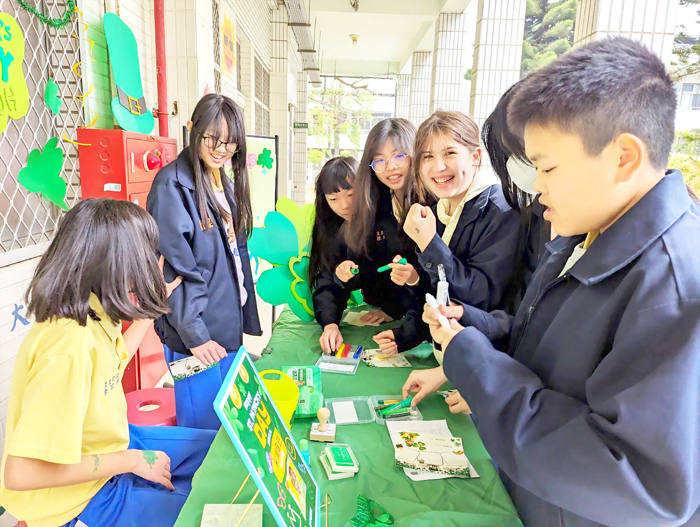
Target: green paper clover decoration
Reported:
[(284, 242), (51, 97), (43, 174)]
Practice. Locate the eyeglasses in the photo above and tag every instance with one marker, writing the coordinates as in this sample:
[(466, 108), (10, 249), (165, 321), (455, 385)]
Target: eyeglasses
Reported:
[(214, 144), (380, 165)]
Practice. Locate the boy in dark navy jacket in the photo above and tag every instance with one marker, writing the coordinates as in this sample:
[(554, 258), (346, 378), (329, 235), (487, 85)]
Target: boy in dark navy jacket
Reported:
[(592, 409)]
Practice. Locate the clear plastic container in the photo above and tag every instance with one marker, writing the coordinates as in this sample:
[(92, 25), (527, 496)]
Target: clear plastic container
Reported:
[(374, 402), (364, 411), (332, 364)]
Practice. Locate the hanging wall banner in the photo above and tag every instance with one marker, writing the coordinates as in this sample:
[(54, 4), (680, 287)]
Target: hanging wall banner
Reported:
[(228, 43), (14, 93)]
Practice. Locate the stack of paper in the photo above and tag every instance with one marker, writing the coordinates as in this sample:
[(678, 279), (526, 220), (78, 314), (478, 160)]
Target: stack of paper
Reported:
[(353, 319), (427, 450)]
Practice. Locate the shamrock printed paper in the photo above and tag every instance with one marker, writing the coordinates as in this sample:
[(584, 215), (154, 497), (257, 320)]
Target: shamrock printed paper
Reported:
[(14, 93), (43, 174), (265, 159), (51, 98)]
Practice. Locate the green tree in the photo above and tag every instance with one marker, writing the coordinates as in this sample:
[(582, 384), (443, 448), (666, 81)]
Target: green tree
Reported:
[(549, 32), (338, 108), (686, 50)]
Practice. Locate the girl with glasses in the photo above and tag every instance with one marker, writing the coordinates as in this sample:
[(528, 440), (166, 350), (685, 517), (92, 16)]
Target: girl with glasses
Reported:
[(205, 220), (373, 235)]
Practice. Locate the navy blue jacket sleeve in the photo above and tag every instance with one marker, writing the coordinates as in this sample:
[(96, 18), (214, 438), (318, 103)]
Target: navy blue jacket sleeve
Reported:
[(482, 278), (629, 456), (330, 298), (175, 226), (495, 325), (412, 331)]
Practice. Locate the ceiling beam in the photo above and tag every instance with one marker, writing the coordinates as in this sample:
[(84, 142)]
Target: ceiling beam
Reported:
[(359, 68), (415, 42), (427, 8)]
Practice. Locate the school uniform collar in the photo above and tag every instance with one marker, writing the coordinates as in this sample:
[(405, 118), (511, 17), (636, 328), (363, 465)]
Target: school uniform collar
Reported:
[(113, 330), (183, 169), (469, 213), (635, 231)]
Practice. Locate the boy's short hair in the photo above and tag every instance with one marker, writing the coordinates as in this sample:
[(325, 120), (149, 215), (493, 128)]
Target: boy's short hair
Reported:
[(599, 91)]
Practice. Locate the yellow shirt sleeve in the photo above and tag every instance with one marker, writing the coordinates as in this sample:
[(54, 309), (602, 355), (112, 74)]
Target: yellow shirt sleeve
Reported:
[(55, 401)]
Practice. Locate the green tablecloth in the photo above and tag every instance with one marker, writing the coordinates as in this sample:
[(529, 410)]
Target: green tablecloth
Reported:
[(481, 502)]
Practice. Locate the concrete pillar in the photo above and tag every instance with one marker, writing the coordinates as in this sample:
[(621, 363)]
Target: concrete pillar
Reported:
[(448, 62), (403, 96), (419, 100), (300, 116), (498, 52), (652, 22)]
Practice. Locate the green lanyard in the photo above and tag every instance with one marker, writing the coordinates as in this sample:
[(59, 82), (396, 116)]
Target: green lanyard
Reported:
[(365, 517)]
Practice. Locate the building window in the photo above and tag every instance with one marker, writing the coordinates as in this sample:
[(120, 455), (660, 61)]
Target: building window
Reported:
[(217, 44), (690, 96)]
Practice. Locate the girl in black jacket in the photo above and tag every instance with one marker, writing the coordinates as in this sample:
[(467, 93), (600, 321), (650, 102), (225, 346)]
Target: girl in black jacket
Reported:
[(334, 205), (204, 221)]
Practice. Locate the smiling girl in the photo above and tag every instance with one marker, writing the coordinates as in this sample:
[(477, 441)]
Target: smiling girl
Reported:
[(471, 231), (204, 221), (373, 234)]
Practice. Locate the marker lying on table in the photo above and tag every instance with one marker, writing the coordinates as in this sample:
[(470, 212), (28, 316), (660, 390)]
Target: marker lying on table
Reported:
[(403, 404), (385, 268), (357, 354), (430, 299)]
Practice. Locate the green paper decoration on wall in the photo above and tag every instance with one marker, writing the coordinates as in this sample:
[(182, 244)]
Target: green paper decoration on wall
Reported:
[(129, 107), (265, 158), (283, 242), (14, 93), (43, 174), (51, 98)]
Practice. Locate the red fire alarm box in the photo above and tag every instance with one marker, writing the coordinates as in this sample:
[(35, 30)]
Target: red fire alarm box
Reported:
[(121, 165)]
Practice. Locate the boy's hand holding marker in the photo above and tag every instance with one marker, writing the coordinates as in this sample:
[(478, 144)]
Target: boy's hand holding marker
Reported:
[(346, 271), (420, 225)]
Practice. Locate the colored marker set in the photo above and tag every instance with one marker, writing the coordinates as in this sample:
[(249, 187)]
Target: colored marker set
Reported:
[(346, 351), (393, 408), (344, 361)]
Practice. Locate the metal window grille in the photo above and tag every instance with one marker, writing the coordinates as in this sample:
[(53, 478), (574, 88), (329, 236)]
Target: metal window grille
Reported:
[(25, 218), (216, 32), (239, 71), (266, 88), (258, 80)]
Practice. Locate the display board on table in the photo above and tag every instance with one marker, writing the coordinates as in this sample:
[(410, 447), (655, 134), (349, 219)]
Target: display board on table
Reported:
[(267, 447)]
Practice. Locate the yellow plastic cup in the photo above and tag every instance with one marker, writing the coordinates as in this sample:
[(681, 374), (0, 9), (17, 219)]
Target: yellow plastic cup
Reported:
[(284, 392)]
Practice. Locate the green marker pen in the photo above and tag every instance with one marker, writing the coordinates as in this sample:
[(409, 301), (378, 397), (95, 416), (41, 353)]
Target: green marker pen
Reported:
[(355, 271), (385, 268), (403, 404)]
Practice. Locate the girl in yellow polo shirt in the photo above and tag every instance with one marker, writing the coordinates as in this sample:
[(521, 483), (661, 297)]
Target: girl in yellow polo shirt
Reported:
[(70, 455)]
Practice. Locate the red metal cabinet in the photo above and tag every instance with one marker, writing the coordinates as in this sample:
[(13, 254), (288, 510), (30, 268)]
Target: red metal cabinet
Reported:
[(116, 164), (121, 165)]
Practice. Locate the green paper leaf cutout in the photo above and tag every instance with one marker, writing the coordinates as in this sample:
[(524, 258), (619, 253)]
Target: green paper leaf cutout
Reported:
[(276, 242), (51, 98), (275, 287), (265, 159), (301, 217), (42, 174)]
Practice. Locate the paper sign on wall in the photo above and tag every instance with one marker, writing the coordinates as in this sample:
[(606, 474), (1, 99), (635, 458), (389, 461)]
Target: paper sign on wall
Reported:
[(14, 93)]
